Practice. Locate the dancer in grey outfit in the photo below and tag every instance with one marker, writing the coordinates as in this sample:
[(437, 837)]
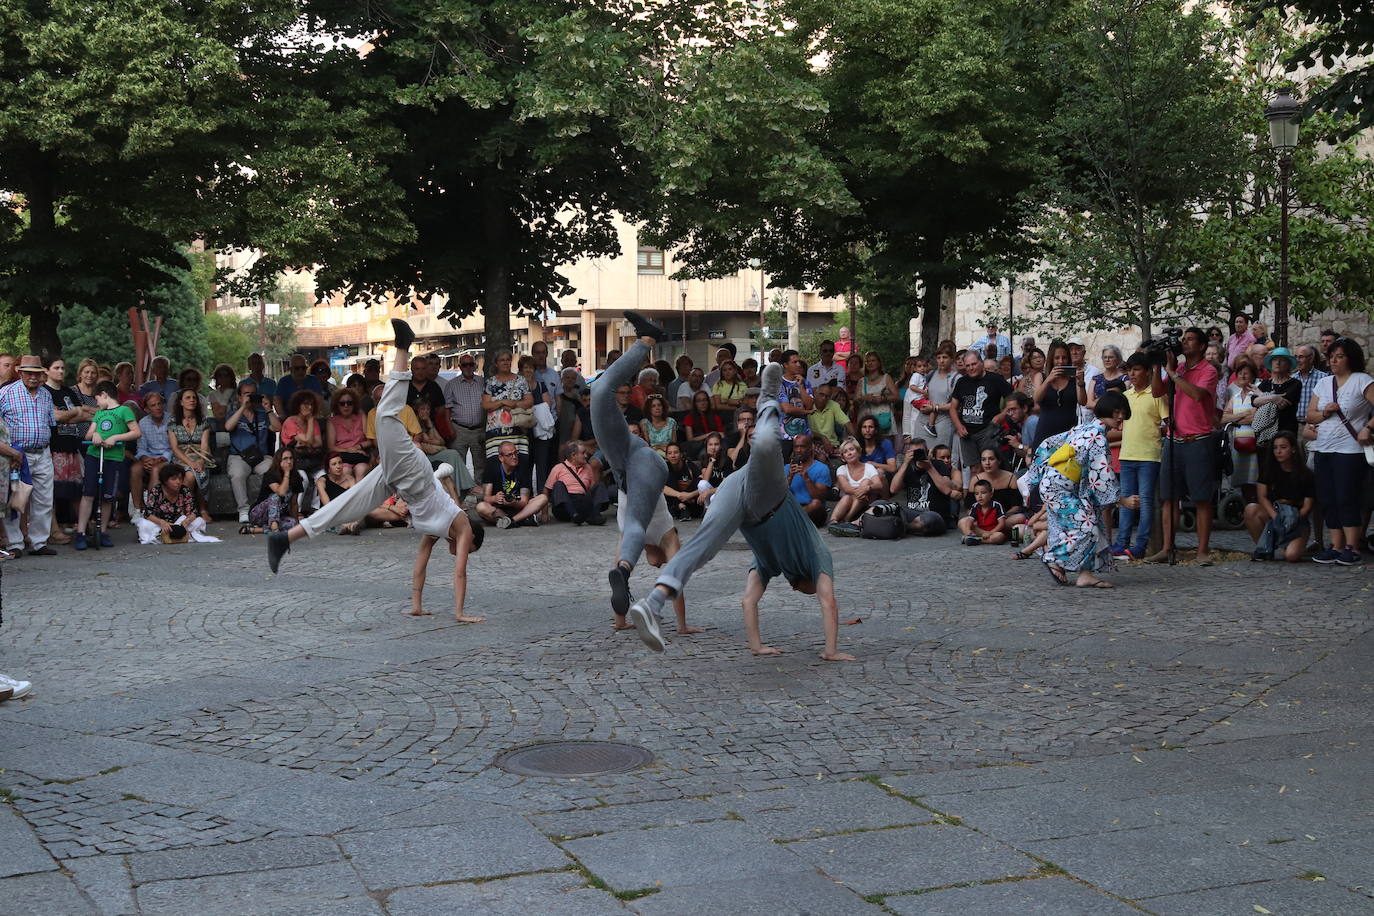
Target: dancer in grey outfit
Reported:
[(758, 503)]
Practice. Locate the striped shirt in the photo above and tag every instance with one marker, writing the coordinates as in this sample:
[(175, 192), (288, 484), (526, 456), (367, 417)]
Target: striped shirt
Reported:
[(1309, 385), (28, 417), (464, 400)]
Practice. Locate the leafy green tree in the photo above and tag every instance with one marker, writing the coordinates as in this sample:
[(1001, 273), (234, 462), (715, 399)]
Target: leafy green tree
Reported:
[(14, 332), (104, 335), (1339, 39), (116, 120), (1149, 128), (230, 338)]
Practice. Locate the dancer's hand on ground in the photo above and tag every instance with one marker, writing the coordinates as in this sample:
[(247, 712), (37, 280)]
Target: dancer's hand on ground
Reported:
[(838, 657)]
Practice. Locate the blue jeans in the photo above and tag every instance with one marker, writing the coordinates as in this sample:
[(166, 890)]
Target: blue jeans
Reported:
[(1138, 478)]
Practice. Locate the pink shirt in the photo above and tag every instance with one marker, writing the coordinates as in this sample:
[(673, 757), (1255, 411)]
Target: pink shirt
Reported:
[(1191, 417), (349, 433), (579, 482), (1237, 344)]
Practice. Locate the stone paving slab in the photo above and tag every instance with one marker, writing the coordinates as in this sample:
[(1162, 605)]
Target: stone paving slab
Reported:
[(256, 855), (43, 895), (307, 803), (810, 811), (316, 890), (106, 882), (1052, 896), (571, 824), (22, 853), (563, 893), (1285, 897), (426, 855), (67, 758), (798, 894)]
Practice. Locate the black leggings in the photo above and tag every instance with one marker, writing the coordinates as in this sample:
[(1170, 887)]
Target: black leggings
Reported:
[(1340, 488)]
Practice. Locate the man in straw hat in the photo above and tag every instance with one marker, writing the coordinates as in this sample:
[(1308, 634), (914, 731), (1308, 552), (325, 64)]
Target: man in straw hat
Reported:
[(27, 411)]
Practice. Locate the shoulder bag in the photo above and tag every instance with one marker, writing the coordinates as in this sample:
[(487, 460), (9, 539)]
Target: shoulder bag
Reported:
[(1368, 449)]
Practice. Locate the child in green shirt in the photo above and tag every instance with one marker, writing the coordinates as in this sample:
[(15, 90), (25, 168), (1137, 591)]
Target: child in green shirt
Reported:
[(114, 425)]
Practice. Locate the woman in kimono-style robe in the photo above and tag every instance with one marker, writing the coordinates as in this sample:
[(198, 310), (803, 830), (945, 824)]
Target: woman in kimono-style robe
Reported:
[(1073, 508)]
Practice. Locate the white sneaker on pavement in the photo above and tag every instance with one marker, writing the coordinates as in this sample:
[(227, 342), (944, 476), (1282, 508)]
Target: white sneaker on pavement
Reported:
[(646, 625), (15, 687), (243, 518)]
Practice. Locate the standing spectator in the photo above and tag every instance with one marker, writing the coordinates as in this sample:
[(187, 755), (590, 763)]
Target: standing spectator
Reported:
[(113, 425), (1032, 373), (572, 488), (1239, 342), (827, 371), (702, 420), (1216, 337), (1076, 480), (1281, 389), (1261, 334), (26, 410), (1188, 468), (251, 429), (686, 394), (73, 416), (829, 424), (808, 479), (1059, 395), (298, 379), (542, 452), (914, 397), (319, 371), (728, 393), (124, 384), (1277, 520), (191, 378), (191, 439), (154, 446), (346, 433), (8, 375), (1001, 341), (10, 460), (975, 400), (1113, 368), (372, 377), (939, 394), (715, 467), (424, 372), (794, 400), (1309, 375), (877, 395), (749, 373), (1012, 450), (1240, 415), (224, 396), (737, 446), (265, 386), (506, 393), (160, 382), (1341, 408), (657, 428), (304, 431), (845, 348), (680, 488), (648, 384), (463, 396), (569, 400), (683, 367), (859, 482), (1328, 337), (1140, 452)]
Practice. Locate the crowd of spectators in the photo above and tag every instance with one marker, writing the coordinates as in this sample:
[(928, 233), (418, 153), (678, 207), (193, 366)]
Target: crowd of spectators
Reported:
[(942, 442)]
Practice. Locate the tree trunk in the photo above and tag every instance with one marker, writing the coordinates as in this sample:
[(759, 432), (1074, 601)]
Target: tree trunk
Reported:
[(930, 319), (43, 339), (497, 219)]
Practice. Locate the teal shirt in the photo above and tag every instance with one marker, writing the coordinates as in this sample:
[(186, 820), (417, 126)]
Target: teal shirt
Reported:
[(789, 545)]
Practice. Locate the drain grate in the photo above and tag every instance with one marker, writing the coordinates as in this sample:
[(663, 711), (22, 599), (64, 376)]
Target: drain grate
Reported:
[(574, 758)]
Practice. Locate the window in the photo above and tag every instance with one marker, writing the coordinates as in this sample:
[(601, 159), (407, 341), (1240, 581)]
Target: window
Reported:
[(650, 260)]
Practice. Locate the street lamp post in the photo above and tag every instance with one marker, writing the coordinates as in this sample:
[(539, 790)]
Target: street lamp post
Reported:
[(682, 291), (1283, 138)]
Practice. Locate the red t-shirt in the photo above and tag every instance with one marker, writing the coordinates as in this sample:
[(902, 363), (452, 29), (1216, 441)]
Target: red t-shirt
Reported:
[(986, 517), (1192, 417)]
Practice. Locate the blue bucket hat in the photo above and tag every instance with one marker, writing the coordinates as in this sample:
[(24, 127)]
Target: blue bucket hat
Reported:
[(1279, 351)]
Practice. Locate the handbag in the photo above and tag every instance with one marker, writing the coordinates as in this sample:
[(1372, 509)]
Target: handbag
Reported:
[(1368, 449), (882, 522), (510, 418), (19, 495), (544, 421), (1265, 423), (1245, 445)]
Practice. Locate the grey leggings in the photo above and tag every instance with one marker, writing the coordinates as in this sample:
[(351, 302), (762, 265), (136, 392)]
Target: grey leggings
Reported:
[(640, 472), (744, 498)]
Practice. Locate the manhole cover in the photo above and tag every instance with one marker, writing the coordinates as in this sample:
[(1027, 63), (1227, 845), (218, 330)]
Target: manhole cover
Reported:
[(574, 758)]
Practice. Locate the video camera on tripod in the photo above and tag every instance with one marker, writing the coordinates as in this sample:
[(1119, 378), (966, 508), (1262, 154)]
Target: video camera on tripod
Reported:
[(1157, 349)]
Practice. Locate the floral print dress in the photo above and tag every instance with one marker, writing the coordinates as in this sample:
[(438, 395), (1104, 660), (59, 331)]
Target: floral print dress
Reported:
[(1077, 540)]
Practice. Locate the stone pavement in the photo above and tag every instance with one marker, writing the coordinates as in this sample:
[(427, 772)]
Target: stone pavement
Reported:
[(205, 739)]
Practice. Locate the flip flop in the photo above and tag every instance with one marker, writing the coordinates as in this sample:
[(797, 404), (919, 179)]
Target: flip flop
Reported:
[(1021, 555), (1100, 583), (1059, 576)]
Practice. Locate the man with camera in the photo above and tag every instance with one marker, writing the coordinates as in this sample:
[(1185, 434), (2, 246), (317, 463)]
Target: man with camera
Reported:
[(250, 428), (1188, 464), (809, 479), (916, 487), (1011, 448)]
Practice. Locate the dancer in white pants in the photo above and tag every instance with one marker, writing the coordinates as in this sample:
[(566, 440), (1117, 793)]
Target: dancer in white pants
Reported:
[(757, 502), (405, 470)]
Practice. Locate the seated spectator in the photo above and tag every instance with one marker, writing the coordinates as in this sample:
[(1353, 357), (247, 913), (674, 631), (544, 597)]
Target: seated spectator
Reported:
[(748, 372), (338, 479), (346, 432), (154, 446), (829, 424), (319, 370), (1287, 491), (875, 448), (431, 442), (304, 433), (1004, 489), (684, 500), (657, 428), (986, 522), (506, 496), (280, 497), (703, 419), (1039, 525), (728, 392), (224, 396), (633, 415), (191, 378), (924, 488), (737, 446), (859, 481), (715, 467), (809, 478), (190, 438), (170, 510), (573, 488), (647, 385), (251, 428), (687, 392)]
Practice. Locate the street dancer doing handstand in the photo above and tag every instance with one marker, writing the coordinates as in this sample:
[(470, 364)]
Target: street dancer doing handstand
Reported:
[(640, 473), (757, 502), (404, 470)]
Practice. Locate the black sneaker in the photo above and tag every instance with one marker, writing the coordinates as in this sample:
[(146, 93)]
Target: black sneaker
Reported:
[(620, 590), (644, 327), (405, 335), (278, 546), (1260, 556), (596, 518), (1348, 557)]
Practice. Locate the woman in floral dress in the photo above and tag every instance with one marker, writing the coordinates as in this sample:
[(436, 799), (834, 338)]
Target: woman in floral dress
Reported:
[(1074, 471)]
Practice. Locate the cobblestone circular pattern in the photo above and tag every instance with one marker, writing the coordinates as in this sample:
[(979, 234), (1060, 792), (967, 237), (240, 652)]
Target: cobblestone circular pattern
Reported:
[(574, 758)]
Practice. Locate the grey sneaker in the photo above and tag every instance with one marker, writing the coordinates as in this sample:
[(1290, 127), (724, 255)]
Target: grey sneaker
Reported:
[(646, 624), (503, 521)]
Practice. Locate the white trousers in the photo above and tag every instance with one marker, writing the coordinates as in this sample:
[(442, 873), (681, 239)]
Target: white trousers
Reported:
[(40, 505)]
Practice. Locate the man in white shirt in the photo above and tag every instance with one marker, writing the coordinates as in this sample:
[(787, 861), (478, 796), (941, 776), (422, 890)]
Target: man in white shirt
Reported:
[(695, 382), (827, 371), (724, 353)]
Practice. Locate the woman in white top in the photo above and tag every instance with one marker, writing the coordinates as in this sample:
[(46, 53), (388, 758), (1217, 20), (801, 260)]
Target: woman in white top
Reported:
[(860, 483), (1341, 407)]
